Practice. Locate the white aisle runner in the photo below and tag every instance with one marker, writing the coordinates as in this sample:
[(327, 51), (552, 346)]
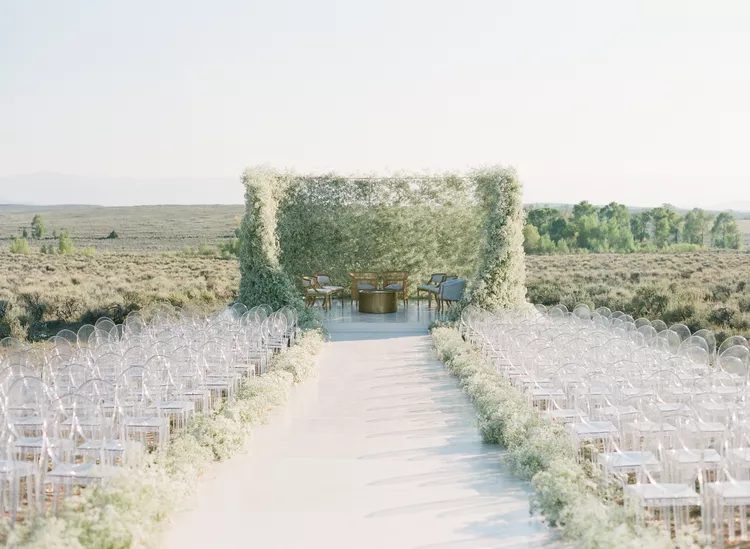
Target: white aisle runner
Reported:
[(381, 451)]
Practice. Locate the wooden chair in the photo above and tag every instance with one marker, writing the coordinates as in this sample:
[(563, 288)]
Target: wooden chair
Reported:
[(363, 281), (324, 281), (313, 291), (397, 280), (432, 287)]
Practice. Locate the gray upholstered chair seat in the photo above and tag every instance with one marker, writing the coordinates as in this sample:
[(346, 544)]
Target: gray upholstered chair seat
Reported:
[(398, 287), (334, 288), (365, 286), (428, 288)]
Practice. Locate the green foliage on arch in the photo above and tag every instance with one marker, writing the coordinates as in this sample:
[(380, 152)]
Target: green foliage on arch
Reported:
[(297, 225), (501, 277)]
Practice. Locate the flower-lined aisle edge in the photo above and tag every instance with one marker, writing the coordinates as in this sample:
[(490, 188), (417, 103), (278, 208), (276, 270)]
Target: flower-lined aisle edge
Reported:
[(131, 509), (568, 494)]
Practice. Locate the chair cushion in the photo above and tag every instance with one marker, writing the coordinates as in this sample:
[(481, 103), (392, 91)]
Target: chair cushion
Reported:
[(397, 286), (428, 288), (334, 288), (365, 286)]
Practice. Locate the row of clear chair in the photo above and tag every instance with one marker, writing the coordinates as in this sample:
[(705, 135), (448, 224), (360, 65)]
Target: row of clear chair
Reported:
[(660, 409), (88, 402)]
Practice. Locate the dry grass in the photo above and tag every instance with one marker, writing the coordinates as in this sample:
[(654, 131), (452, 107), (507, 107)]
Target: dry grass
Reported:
[(703, 290), (140, 228), (40, 293)]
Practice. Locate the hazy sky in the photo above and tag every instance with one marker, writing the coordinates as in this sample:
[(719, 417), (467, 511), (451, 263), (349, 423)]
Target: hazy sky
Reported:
[(636, 101)]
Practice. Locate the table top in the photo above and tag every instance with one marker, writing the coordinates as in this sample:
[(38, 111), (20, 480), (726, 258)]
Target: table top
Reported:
[(377, 291)]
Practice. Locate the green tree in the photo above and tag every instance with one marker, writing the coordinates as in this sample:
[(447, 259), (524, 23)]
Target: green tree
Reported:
[(20, 246), (662, 226), (616, 227), (583, 209), (560, 229), (725, 233), (64, 244), (639, 224), (545, 245), (530, 238), (675, 223), (38, 226), (542, 218), (590, 234), (694, 228)]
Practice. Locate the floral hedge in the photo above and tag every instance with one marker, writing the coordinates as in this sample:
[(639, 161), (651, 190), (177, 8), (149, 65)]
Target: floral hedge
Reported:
[(501, 275), (130, 510), (570, 496), (298, 225)]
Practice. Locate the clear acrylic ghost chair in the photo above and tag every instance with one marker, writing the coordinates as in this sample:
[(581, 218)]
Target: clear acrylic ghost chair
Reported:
[(669, 502), (193, 378), (17, 478), (27, 407), (105, 325), (618, 465), (168, 392), (648, 430), (82, 422), (112, 447), (592, 437), (277, 326), (731, 342), (691, 454), (143, 421), (726, 503), (24, 400), (215, 359)]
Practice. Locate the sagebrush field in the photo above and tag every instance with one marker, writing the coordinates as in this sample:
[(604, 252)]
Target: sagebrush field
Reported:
[(155, 257), (702, 290)]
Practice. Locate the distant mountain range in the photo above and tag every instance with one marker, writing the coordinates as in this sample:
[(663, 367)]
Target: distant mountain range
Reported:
[(40, 191)]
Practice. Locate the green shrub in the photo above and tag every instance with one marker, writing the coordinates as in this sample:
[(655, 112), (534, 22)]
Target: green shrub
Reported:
[(64, 244), (20, 246), (721, 315), (113, 235), (38, 226), (206, 250), (650, 300), (231, 248), (88, 251)]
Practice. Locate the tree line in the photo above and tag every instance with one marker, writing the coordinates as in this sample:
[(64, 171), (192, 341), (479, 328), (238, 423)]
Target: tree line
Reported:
[(612, 228)]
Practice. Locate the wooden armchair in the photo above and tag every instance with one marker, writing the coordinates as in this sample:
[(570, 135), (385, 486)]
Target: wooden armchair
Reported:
[(399, 281), (432, 288), (313, 291), (363, 281), (324, 281)]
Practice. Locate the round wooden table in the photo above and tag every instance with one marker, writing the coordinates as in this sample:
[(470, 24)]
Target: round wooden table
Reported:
[(378, 301)]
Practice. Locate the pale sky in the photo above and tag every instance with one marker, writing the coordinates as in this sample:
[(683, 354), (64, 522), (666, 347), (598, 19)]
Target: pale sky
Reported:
[(641, 102)]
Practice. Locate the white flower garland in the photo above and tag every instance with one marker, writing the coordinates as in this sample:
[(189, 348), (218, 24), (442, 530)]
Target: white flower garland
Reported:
[(130, 510), (568, 495)]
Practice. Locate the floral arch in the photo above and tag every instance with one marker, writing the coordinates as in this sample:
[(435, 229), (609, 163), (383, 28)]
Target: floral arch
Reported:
[(466, 224)]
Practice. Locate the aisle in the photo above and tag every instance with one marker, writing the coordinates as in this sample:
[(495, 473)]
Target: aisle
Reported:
[(380, 451)]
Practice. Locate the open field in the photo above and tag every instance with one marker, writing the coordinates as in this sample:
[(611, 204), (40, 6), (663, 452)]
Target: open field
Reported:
[(702, 290), (39, 293), (140, 228)]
